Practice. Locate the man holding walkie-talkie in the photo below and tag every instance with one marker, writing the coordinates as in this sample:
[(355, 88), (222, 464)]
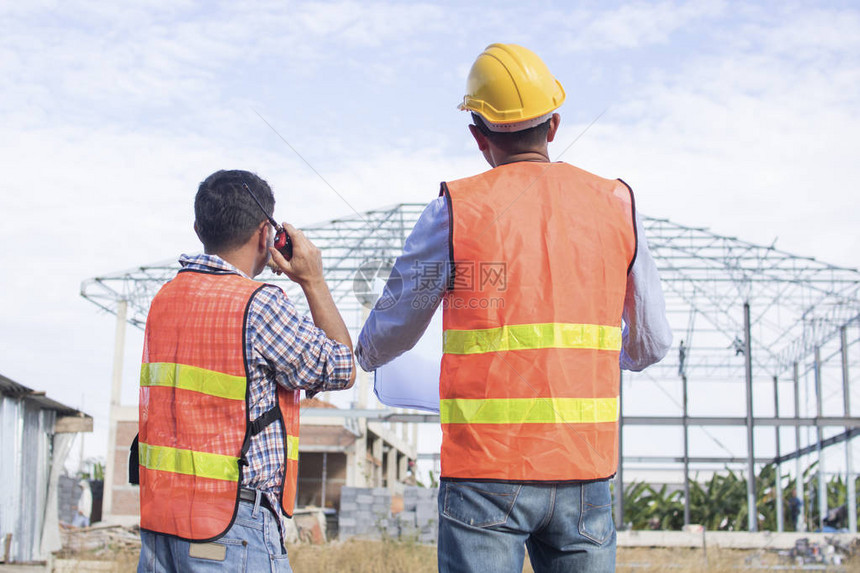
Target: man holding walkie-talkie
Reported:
[(224, 361), (543, 262)]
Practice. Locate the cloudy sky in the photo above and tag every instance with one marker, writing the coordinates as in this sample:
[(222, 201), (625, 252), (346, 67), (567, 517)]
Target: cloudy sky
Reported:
[(738, 116)]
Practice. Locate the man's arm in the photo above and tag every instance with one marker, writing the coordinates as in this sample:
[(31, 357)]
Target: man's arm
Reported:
[(647, 336), (305, 268), (325, 314), (293, 351), (414, 290)]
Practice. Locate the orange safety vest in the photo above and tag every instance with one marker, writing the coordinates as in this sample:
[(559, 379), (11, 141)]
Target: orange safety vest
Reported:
[(532, 323), (194, 425)]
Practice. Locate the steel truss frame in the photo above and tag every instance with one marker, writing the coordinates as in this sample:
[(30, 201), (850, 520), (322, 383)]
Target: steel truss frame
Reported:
[(745, 313)]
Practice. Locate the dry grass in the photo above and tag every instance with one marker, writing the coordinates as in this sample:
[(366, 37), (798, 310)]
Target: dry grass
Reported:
[(396, 557), (686, 560), (363, 557)]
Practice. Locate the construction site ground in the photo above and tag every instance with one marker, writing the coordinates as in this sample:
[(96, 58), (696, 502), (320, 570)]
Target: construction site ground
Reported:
[(116, 549)]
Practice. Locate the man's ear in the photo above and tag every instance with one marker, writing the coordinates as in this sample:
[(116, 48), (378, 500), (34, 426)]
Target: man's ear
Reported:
[(554, 122), (263, 237), (197, 231), (480, 138)]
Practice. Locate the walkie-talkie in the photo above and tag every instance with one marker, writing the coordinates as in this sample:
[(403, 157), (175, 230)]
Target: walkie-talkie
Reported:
[(282, 239)]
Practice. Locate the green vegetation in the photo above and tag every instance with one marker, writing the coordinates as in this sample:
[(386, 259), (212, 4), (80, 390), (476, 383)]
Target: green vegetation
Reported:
[(720, 504)]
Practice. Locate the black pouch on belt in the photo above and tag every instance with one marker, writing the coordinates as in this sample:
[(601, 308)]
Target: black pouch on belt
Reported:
[(134, 463)]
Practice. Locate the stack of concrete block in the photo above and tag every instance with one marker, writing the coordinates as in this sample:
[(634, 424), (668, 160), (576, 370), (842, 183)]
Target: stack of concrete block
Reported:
[(347, 517), (381, 509), (419, 519), (68, 494), (365, 512)]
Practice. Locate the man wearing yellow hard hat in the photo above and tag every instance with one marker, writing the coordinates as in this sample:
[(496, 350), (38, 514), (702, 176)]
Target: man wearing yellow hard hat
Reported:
[(542, 262)]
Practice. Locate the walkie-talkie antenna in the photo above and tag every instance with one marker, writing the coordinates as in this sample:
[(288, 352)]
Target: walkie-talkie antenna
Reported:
[(282, 240), (260, 205)]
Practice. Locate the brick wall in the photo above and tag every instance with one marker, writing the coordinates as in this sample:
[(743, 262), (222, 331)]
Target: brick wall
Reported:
[(126, 499)]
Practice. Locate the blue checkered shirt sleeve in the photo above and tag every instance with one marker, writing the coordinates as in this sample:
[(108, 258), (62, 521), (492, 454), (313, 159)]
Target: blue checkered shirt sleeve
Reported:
[(296, 353)]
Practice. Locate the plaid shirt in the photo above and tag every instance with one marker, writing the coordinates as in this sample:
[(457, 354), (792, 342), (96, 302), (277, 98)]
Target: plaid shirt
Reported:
[(282, 348)]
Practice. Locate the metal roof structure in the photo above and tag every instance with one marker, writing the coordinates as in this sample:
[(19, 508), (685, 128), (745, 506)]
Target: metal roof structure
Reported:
[(797, 303), (744, 313), (346, 243)]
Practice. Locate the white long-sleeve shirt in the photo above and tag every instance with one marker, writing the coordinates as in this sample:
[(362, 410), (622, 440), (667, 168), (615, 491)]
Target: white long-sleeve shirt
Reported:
[(409, 301)]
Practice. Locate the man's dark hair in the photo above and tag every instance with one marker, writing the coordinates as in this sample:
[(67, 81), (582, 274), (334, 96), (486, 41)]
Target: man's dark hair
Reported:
[(224, 212), (514, 141)]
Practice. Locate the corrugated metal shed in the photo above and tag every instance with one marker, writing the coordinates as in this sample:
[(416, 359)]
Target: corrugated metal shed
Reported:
[(30, 423)]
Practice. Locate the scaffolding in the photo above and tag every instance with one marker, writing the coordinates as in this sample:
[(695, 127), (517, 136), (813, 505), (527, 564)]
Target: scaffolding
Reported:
[(749, 317)]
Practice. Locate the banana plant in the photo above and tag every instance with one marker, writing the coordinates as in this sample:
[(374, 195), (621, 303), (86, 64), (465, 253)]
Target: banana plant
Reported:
[(720, 503)]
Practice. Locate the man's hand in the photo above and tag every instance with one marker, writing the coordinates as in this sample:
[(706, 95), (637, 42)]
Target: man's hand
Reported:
[(305, 268)]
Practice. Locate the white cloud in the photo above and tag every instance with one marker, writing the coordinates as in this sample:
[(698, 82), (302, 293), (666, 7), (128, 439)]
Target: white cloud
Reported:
[(632, 25), (374, 24), (124, 61), (753, 141), (798, 32)]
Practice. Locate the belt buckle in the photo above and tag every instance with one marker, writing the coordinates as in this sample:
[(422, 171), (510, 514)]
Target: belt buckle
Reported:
[(250, 495)]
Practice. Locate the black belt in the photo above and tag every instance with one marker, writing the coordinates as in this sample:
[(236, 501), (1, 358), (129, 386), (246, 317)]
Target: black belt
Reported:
[(250, 495)]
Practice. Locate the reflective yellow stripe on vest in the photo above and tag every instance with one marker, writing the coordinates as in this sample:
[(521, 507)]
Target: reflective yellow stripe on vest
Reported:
[(531, 337), (193, 378), (292, 447), (529, 411), (189, 462)]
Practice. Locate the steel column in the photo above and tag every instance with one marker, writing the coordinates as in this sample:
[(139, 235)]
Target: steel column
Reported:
[(751, 493), (822, 480), (686, 453), (849, 454), (798, 483), (780, 518)]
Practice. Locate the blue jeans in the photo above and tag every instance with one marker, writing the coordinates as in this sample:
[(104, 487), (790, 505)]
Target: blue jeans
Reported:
[(486, 526), (252, 544)]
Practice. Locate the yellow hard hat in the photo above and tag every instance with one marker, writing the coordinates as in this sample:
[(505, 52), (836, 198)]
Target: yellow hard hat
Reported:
[(509, 84)]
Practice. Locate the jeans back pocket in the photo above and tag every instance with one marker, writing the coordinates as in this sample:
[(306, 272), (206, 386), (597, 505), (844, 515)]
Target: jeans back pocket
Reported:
[(595, 520), (479, 504)]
